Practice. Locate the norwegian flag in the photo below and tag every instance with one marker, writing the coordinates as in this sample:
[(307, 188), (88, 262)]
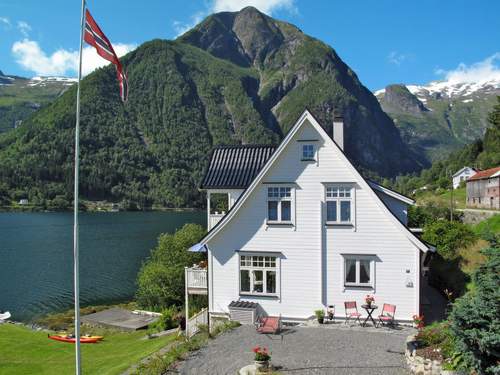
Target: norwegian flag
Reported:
[(95, 37)]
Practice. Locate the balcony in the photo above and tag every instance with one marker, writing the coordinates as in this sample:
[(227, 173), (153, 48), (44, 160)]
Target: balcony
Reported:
[(196, 280), (213, 219)]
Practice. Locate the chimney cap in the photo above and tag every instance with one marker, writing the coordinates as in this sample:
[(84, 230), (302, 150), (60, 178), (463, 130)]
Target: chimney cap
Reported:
[(338, 118)]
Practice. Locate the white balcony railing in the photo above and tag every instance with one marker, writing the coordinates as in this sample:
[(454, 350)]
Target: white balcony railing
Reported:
[(213, 219), (196, 278)]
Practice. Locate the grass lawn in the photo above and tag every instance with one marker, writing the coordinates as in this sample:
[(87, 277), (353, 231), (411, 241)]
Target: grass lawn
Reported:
[(23, 351)]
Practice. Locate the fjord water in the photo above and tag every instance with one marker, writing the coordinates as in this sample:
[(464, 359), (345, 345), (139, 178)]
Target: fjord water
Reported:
[(36, 257)]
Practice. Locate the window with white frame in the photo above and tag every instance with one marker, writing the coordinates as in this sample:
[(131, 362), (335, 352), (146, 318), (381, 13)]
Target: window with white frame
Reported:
[(359, 270), (279, 204), (258, 274), (339, 204), (308, 152)]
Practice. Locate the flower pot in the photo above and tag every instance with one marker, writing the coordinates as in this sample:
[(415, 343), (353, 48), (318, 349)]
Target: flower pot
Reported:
[(261, 365), (321, 320)]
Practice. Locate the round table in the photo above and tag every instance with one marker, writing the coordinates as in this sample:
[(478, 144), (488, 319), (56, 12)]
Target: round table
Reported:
[(369, 310)]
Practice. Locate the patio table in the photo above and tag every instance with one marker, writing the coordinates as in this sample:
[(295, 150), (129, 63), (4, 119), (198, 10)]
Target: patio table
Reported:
[(369, 310)]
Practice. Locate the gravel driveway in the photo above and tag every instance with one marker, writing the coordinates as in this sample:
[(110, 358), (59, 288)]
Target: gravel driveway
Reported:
[(305, 350)]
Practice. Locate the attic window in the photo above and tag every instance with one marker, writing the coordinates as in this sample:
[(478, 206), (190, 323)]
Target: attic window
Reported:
[(308, 152)]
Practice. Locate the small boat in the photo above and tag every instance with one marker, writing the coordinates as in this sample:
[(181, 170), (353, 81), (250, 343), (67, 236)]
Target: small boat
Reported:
[(4, 316), (71, 339)]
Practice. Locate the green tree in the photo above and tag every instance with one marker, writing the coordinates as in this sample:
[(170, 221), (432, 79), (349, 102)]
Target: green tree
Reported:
[(161, 278), (475, 318), (448, 237)]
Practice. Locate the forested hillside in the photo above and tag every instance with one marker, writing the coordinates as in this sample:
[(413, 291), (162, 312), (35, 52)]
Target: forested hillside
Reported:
[(236, 78), (20, 97)]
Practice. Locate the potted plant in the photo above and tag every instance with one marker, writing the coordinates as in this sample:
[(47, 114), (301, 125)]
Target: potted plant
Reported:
[(418, 321), (320, 315), (262, 358), (369, 300)]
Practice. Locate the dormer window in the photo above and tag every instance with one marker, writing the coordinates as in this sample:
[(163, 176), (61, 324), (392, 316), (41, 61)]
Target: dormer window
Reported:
[(279, 205), (308, 152)]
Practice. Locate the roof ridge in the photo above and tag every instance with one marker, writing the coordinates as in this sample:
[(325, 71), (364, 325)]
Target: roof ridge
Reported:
[(244, 146)]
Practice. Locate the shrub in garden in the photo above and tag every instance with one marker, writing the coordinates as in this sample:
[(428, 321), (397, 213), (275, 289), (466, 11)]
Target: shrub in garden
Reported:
[(169, 319), (475, 318)]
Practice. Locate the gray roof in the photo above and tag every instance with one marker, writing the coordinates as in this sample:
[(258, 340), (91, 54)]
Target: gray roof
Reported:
[(234, 167), (243, 305)]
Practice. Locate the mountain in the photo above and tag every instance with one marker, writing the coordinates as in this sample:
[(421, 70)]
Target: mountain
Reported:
[(239, 77), (481, 154), (20, 97), (442, 116)]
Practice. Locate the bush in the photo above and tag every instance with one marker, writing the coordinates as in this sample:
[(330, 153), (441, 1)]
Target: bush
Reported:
[(438, 335), (169, 319), (475, 318), (161, 278), (448, 237)]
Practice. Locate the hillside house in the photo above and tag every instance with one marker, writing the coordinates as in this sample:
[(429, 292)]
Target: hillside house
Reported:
[(304, 230), (483, 189), (462, 175)]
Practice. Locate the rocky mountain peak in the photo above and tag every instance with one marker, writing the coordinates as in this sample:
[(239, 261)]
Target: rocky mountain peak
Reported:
[(245, 37), (398, 98)]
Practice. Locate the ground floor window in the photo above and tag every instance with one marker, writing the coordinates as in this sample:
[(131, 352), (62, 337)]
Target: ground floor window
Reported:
[(359, 270), (258, 274)]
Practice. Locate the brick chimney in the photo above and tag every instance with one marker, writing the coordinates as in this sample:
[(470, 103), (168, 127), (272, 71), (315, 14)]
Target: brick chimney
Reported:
[(338, 131)]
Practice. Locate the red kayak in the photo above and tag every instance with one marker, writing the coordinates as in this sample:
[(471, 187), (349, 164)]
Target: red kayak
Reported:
[(83, 340)]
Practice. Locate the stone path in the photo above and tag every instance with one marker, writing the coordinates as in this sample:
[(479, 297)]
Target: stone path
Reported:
[(329, 349)]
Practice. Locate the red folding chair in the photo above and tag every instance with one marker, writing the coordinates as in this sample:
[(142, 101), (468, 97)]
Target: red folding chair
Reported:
[(387, 315), (269, 325), (351, 312)]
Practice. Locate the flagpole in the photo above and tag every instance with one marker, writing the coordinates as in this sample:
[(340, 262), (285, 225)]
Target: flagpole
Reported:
[(78, 364)]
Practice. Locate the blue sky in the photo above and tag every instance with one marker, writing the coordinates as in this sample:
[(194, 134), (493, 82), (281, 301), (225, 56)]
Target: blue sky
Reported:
[(384, 41)]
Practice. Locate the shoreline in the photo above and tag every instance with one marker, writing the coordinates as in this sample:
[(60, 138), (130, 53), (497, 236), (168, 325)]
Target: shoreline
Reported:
[(5, 209)]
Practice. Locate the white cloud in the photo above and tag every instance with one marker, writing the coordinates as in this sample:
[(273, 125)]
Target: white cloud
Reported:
[(265, 6), (180, 27), (396, 58), (31, 57), (5, 21), (24, 28), (482, 71)]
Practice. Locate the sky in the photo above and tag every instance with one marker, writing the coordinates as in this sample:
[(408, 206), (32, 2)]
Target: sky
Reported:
[(383, 41)]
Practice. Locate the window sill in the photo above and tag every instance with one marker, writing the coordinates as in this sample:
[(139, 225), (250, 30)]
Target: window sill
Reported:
[(358, 286), (311, 159), (340, 224), (265, 295), (280, 223)]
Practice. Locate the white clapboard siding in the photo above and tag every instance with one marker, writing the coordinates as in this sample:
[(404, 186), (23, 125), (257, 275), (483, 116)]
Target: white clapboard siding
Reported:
[(311, 264)]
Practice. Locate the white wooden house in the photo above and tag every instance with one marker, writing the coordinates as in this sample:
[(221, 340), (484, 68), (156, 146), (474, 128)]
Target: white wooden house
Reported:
[(462, 175), (305, 230)]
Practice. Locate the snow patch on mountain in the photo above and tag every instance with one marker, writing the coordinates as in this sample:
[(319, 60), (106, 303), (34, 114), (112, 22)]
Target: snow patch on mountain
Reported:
[(451, 89), (42, 81)]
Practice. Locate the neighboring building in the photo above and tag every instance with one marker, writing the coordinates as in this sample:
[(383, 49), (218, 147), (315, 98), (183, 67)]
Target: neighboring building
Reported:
[(462, 175), (23, 202), (305, 230), (483, 189)]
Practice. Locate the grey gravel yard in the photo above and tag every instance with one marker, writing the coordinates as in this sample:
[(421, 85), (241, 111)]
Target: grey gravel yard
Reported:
[(330, 349)]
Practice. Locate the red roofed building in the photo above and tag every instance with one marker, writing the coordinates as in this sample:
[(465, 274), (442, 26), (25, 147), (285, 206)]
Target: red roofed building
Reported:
[(483, 189)]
